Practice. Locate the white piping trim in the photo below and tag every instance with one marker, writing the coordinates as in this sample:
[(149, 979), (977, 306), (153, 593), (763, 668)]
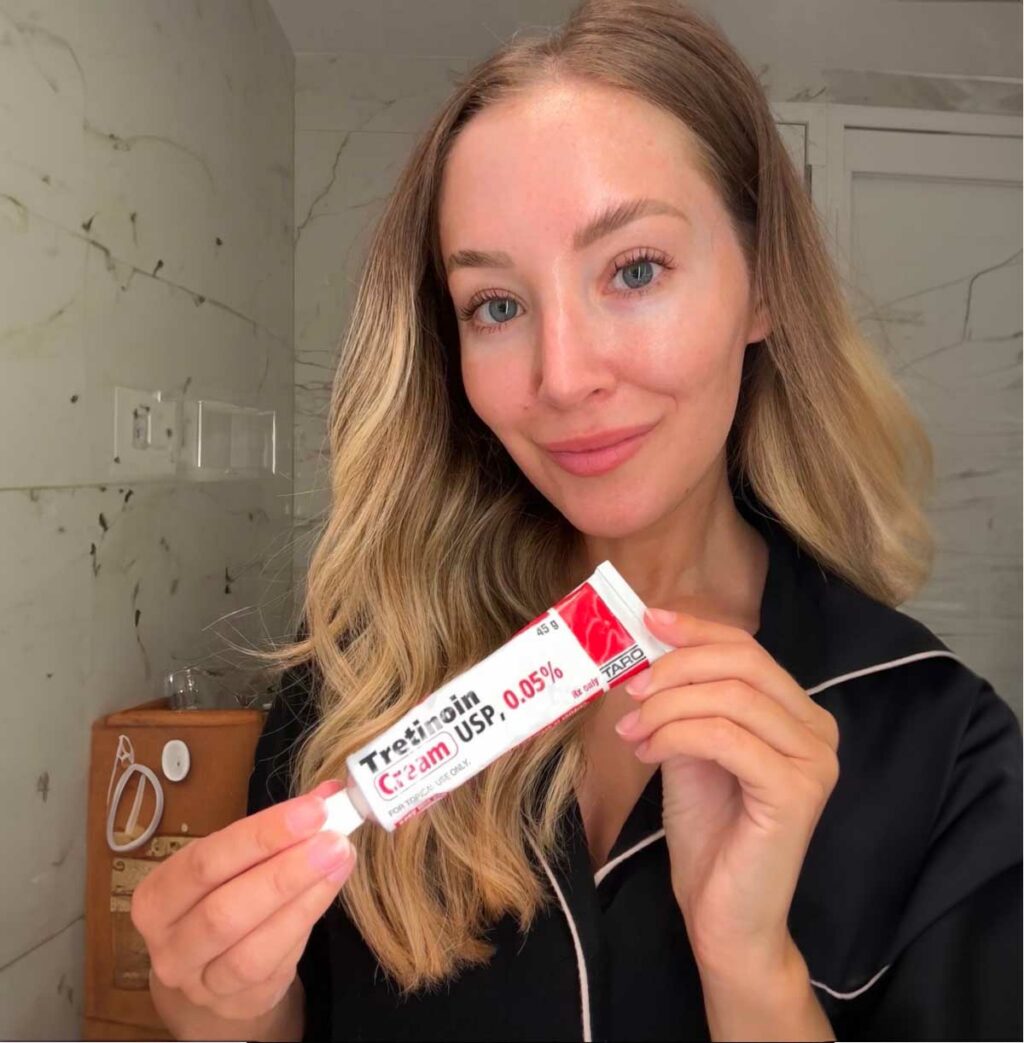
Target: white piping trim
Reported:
[(581, 966), (609, 866), (881, 666), (856, 992)]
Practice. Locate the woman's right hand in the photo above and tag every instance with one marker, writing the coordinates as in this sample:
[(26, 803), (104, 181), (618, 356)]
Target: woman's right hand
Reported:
[(226, 918)]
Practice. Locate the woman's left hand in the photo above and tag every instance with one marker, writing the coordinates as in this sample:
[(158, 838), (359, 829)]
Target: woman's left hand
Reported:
[(748, 762)]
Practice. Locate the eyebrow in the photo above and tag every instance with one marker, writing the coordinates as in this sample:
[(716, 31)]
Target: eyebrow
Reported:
[(612, 218)]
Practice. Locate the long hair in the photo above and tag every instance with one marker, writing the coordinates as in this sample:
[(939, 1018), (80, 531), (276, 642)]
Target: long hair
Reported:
[(436, 548)]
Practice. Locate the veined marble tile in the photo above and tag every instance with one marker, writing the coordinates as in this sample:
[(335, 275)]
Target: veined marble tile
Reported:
[(42, 348), (227, 355), (80, 322), (156, 130), (360, 90), (314, 375), (356, 119), (920, 91), (105, 588), (878, 52), (329, 259), (41, 996), (343, 182), (337, 171), (330, 253), (41, 138)]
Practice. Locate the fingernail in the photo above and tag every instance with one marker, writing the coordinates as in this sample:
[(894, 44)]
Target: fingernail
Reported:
[(328, 850), (306, 815), (640, 683), (627, 723), (660, 615), (340, 873), (642, 748)]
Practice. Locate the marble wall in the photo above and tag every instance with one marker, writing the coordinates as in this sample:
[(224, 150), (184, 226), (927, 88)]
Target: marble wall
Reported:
[(146, 232), (356, 117)]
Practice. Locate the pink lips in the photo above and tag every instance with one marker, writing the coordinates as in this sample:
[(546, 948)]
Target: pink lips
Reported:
[(599, 461)]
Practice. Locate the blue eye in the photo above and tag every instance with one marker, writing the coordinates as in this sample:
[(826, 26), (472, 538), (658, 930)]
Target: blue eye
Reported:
[(643, 265), (637, 271), (499, 306)]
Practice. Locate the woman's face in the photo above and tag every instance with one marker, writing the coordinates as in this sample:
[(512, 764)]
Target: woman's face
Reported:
[(643, 325)]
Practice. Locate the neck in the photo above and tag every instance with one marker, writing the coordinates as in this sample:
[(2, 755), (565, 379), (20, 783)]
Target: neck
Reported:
[(702, 558)]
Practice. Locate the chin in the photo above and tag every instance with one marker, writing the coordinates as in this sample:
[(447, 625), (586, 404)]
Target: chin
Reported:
[(612, 516)]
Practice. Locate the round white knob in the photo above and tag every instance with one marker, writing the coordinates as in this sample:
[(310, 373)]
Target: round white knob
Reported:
[(175, 760)]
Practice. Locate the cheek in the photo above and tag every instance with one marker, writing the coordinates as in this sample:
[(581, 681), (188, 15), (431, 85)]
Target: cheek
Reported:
[(687, 350), (494, 386)]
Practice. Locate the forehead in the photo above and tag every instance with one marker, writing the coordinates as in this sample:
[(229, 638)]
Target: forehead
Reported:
[(557, 151)]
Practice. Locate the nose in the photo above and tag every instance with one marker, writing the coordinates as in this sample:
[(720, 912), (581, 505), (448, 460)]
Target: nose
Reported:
[(571, 363)]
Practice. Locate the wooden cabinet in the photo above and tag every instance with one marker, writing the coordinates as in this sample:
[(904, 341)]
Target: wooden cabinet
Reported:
[(220, 746)]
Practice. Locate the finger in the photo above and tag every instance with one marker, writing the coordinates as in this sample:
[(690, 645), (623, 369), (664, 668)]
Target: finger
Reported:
[(762, 772), (189, 876), (228, 914), (278, 942), (743, 661), (735, 701)]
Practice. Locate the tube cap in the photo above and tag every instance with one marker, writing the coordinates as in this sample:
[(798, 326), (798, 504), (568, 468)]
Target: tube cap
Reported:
[(342, 814)]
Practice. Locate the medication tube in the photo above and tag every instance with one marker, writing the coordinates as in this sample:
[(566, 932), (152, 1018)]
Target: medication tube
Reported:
[(591, 640)]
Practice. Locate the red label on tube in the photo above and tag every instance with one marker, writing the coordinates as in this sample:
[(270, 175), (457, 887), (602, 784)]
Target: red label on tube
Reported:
[(594, 624)]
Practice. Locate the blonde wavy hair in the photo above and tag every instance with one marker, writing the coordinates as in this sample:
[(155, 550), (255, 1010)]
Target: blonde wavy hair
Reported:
[(436, 548)]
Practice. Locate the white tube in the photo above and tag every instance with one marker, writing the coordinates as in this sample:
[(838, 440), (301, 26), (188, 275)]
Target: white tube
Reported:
[(591, 640)]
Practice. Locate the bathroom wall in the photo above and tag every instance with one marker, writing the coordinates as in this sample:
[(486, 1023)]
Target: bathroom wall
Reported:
[(366, 84), (146, 232), (356, 116)]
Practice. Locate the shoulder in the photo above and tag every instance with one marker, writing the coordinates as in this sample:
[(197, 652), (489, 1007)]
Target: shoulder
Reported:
[(910, 711), (927, 808), (829, 634), (857, 652), (896, 687), (858, 630)]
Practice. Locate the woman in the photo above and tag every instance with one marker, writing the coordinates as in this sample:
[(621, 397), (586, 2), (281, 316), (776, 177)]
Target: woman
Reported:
[(808, 822)]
